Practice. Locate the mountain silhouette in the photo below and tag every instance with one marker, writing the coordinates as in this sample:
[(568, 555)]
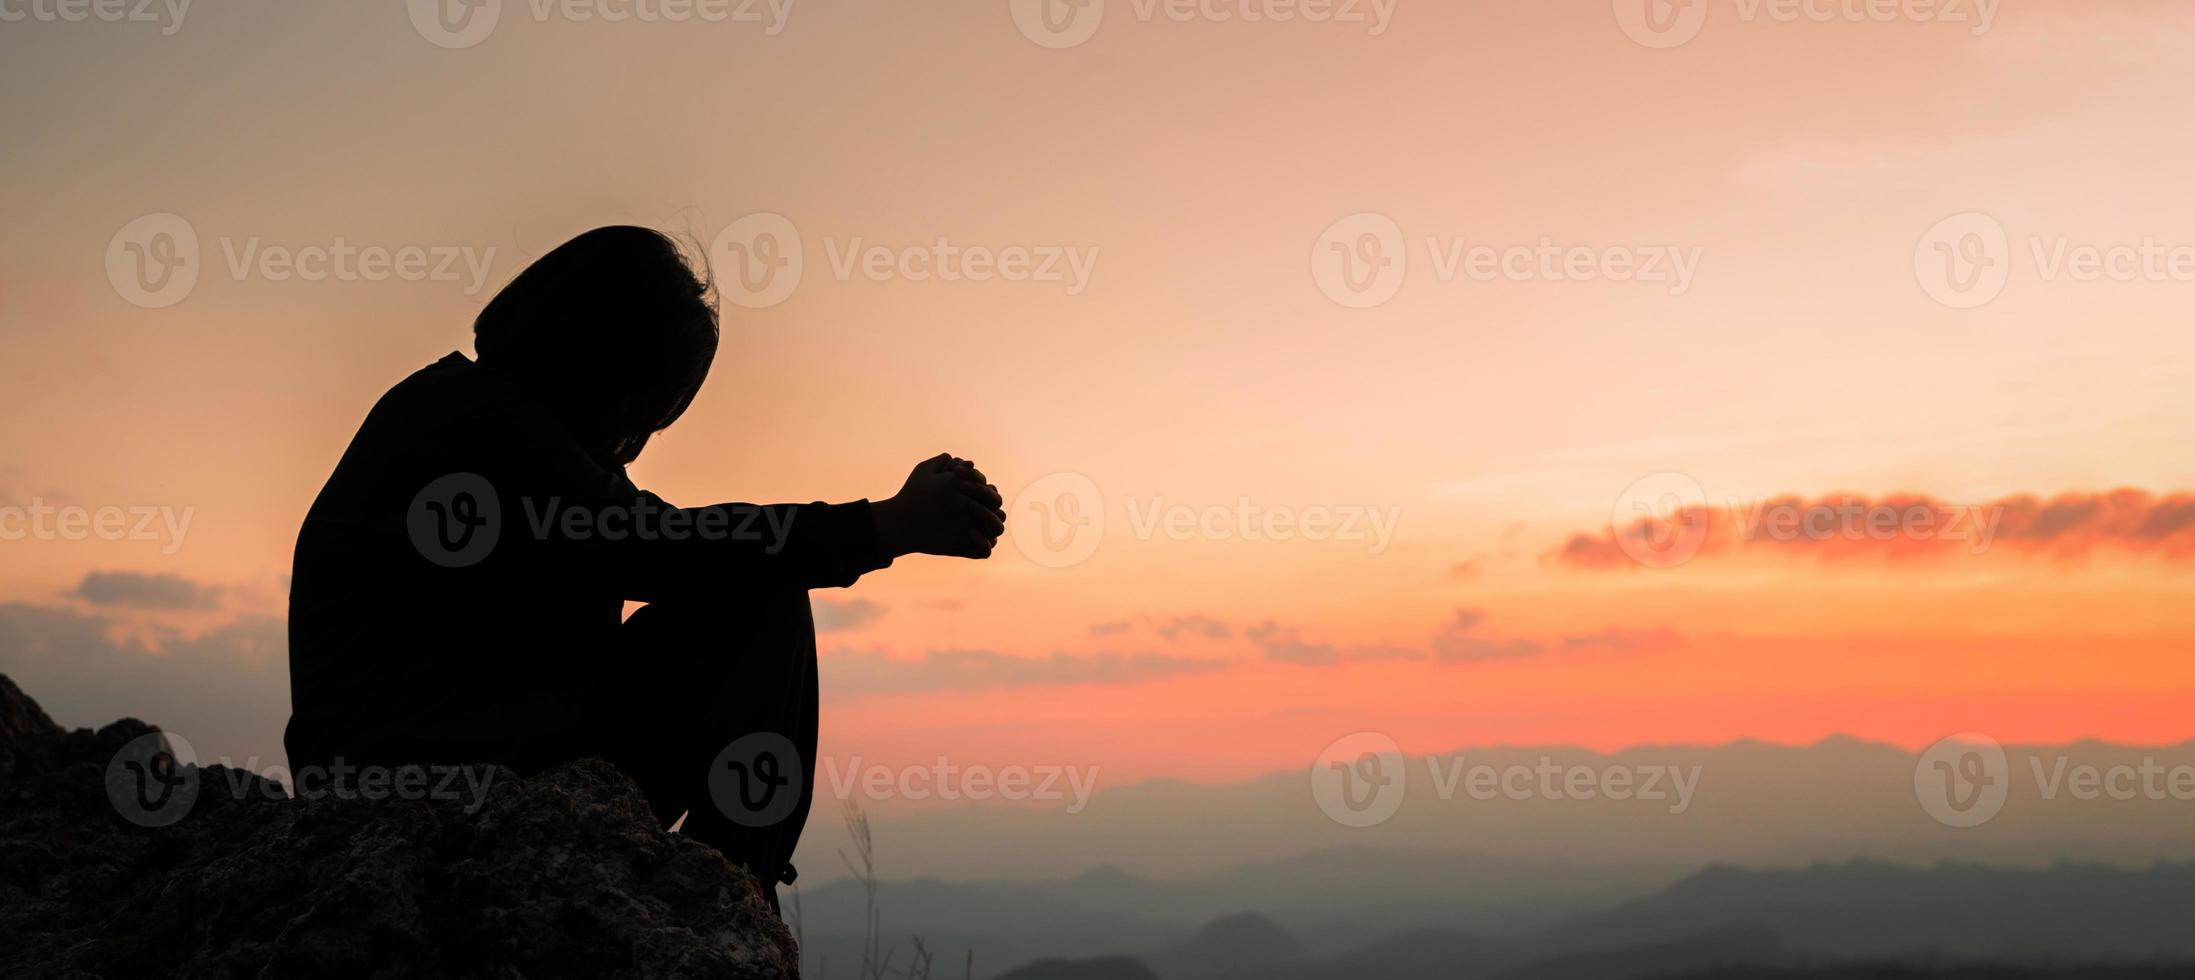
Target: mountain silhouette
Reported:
[(1878, 910), (1245, 944), (1754, 947), (1106, 968), (1775, 919)]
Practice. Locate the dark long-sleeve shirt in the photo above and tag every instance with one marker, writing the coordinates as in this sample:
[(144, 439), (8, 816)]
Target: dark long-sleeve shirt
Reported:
[(459, 582)]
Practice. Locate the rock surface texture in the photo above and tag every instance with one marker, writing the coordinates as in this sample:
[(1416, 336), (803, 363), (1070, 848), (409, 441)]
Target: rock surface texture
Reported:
[(561, 875)]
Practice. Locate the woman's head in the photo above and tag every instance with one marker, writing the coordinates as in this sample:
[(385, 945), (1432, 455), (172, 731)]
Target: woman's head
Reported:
[(613, 329)]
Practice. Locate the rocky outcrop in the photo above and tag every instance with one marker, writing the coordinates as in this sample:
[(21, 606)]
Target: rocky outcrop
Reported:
[(563, 874)]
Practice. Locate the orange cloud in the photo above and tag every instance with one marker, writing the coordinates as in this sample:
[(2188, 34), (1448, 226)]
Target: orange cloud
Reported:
[(1896, 527), (863, 672), (1462, 640)]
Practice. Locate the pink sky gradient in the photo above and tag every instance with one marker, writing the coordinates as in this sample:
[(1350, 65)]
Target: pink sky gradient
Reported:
[(1199, 163)]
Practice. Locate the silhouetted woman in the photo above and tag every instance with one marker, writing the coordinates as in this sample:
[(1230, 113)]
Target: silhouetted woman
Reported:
[(460, 581)]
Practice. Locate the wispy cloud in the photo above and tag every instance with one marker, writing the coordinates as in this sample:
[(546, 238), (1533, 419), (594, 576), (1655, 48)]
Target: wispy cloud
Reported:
[(140, 590), (1463, 639), (1282, 644), (833, 615), (1900, 528), (876, 672), (1195, 625), (224, 689)]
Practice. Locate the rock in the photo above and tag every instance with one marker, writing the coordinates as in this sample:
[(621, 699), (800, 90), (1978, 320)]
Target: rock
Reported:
[(562, 874)]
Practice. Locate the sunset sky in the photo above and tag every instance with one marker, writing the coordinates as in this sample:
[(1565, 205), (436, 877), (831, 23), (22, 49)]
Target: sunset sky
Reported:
[(1200, 168)]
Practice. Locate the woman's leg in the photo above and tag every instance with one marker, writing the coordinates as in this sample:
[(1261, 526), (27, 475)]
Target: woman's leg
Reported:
[(720, 722)]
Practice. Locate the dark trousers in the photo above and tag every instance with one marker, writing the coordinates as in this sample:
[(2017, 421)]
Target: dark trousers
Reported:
[(700, 685)]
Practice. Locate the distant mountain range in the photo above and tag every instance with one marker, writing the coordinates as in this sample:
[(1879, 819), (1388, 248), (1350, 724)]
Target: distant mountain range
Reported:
[(1867, 909), (1972, 971), (1753, 804), (1330, 899), (1829, 919)]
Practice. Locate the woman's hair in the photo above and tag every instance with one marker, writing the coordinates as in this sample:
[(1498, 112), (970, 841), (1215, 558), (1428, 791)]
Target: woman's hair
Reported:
[(613, 329)]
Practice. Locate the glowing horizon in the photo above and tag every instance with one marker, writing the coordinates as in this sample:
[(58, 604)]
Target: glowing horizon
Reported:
[(1100, 295)]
